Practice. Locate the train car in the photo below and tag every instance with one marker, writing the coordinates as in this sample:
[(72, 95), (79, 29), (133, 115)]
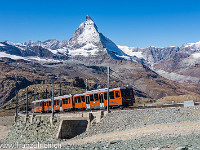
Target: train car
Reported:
[(96, 99), (56, 104), (92, 98), (47, 105), (79, 101), (122, 96), (38, 105), (66, 103), (118, 97), (35, 106)]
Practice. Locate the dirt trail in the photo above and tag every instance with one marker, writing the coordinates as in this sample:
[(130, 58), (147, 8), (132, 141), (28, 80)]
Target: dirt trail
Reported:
[(171, 129)]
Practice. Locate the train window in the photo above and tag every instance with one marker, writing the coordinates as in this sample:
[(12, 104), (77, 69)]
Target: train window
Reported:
[(54, 102), (49, 103), (79, 99), (111, 95), (117, 94), (131, 92), (75, 99), (83, 98), (125, 93), (40, 103), (57, 102), (63, 101), (101, 97), (105, 95), (91, 98), (96, 97), (66, 101), (44, 103), (69, 100)]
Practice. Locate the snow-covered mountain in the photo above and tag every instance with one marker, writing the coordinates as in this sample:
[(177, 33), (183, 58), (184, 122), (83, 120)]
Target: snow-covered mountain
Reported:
[(86, 42), (150, 55), (192, 46), (180, 64)]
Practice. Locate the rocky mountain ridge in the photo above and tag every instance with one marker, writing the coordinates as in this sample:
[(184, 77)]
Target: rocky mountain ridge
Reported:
[(175, 63)]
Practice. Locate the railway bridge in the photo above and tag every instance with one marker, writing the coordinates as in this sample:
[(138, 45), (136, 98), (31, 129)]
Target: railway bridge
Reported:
[(67, 125)]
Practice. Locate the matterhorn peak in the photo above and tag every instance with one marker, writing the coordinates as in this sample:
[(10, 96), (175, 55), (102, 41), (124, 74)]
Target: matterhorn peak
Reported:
[(88, 18), (88, 41), (85, 34)]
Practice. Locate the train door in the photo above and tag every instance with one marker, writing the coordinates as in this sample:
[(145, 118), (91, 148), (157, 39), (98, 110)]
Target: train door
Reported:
[(61, 109), (101, 100), (87, 102), (42, 103)]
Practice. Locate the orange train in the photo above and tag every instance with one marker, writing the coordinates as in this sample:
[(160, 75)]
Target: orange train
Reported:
[(96, 99)]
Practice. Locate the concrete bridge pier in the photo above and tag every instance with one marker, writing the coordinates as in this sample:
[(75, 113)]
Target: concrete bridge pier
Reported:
[(72, 125)]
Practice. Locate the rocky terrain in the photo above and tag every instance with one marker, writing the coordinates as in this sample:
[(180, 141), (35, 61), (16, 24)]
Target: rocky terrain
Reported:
[(37, 130), (148, 129), (171, 128)]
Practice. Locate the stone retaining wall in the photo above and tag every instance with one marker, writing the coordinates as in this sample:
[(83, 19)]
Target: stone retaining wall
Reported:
[(33, 130), (43, 129)]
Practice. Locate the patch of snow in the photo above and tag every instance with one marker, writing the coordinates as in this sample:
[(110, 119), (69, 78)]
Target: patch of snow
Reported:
[(83, 52), (3, 54), (130, 51), (53, 51), (89, 46), (196, 55), (20, 47), (193, 45), (2, 44), (41, 59), (62, 50), (10, 43), (89, 33), (124, 57)]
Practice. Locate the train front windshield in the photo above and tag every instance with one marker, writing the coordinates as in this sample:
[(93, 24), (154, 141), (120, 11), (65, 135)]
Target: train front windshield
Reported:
[(126, 93)]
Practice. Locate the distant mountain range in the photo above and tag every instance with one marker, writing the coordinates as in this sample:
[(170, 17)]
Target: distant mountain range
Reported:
[(176, 63)]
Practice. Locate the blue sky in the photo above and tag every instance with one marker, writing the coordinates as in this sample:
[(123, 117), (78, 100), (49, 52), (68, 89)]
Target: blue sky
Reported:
[(136, 23)]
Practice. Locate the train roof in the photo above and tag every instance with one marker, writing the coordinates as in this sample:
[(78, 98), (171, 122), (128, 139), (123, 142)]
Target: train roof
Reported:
[(58, 97), (79, 94), (65, 96), (106, 89), (44, 100)]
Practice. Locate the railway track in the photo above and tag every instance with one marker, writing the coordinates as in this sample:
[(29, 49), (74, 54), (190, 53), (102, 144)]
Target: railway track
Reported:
[(117, 108)]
